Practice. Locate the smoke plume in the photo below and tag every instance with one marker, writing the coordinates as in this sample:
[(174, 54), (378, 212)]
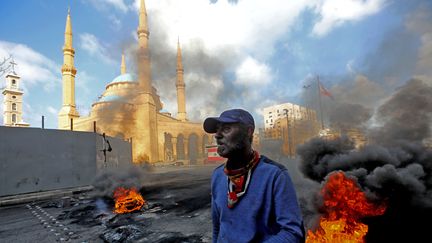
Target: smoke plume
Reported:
[(407, 115), (395, 167)]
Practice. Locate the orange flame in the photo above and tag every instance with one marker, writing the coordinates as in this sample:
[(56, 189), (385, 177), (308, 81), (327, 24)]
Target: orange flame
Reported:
[(127, 200), (344, 205)]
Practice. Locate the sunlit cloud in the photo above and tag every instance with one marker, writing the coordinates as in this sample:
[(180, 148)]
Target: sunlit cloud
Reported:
[(251, 72), (103, 5), (95, 48), (334, 13), (34, 68)]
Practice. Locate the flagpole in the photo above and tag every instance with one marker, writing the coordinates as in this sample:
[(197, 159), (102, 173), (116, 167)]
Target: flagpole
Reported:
[(320, 104)]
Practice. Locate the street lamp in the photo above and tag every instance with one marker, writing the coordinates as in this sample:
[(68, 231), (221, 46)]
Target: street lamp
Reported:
[(288, 132)]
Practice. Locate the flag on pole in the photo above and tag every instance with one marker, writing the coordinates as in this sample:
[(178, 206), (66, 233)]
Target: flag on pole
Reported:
[(325, 92)]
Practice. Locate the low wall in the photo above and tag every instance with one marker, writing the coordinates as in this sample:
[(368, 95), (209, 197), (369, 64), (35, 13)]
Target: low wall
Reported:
[(34, 159)]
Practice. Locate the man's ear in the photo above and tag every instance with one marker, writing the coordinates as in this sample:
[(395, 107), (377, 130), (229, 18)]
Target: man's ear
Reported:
[(250, 131)]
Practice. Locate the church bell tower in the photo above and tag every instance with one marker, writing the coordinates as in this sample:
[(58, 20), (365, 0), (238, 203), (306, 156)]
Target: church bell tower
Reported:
[(12, 100)]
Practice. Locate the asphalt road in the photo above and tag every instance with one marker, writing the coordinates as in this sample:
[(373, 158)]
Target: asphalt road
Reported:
[(178, 210)]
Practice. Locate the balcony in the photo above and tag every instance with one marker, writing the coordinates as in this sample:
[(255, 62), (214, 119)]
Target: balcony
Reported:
[(12, 89)]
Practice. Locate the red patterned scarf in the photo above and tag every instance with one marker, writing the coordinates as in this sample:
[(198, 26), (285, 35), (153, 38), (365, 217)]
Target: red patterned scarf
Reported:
[(238, 179)]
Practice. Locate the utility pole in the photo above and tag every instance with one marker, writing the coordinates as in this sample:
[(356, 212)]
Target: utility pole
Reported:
[(293, 130), (320, 104), (288, 132)]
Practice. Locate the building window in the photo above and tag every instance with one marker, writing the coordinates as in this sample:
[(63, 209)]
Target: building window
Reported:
[(13, 118), (14, 106), (13, 97)]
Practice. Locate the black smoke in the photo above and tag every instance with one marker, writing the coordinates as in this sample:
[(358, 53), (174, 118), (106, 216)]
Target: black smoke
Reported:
[(406, 115), (395, 167), (345, 115)]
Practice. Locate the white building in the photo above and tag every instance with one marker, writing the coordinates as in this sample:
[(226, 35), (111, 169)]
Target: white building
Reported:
[(12, 101), (294, 112)]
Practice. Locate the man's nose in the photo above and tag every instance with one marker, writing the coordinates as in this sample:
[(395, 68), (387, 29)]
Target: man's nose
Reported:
[(218, 134)]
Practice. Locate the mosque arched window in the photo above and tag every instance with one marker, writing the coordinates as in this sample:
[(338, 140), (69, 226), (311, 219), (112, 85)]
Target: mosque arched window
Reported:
[(13, 83), (14, 106), (14, 118)]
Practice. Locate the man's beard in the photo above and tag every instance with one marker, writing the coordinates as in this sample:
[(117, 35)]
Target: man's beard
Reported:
[(233, 148)]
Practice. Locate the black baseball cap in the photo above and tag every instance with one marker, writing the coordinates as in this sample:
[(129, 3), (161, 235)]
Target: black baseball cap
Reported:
[(228, 116)]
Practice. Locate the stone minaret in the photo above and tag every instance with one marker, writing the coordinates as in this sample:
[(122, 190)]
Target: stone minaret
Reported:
[(123, 65), (12, 101), (143, 56), (145, 141), (180, 85), (68, 110)]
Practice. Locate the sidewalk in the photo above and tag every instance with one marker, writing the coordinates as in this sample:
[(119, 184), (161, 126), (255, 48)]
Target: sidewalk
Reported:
[(37, 196)]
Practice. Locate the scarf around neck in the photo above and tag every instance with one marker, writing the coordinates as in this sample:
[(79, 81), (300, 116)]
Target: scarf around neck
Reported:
[(238, 179)]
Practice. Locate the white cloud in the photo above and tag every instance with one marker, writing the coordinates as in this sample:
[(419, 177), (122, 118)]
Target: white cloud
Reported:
[(336, 12), (251, 72), (82, 82), (52, 110), (34, 68), (119, 4), (116, 23), (94, 47), (251, 26), (103, 4), (350, 67)]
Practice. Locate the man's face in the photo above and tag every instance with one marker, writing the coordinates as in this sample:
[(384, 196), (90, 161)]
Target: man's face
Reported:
[(231, 139)]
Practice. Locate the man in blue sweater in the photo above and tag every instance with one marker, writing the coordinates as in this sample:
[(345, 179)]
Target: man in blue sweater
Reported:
[(253, 198)]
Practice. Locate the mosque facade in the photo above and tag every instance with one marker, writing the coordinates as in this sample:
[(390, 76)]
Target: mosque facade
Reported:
[(130, 107)]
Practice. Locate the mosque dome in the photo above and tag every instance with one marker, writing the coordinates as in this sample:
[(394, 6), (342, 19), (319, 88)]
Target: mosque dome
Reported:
[(110, 98), (126, 77)]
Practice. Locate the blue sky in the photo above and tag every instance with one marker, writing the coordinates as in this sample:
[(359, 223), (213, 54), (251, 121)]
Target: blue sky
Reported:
[(246, 53)]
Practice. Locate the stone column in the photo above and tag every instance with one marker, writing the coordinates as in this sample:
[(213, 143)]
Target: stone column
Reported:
[(186, 147), (200, 146), (174, 145)]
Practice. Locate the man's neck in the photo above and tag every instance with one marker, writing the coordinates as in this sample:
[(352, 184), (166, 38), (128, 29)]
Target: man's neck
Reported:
[(240, 159)]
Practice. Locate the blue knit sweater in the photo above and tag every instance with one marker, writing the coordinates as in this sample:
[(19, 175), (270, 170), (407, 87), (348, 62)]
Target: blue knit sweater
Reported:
[(267, 212)]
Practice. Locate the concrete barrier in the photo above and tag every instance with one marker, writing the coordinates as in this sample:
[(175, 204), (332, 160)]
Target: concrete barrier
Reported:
[(35, 160)]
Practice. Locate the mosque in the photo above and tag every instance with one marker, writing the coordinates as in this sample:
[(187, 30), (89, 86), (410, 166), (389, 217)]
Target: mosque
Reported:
[(130, 107)]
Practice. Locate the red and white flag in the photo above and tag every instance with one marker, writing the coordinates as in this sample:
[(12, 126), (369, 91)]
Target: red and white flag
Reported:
[(325, 92)]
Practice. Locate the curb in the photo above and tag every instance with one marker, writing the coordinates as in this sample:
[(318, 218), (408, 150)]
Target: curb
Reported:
[(37, 196)]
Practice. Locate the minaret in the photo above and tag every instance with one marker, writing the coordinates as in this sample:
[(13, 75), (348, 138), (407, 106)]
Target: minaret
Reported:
[(144, 71), (12, 100), (180, 85), (145, 140), (68, 110), (123, 65)]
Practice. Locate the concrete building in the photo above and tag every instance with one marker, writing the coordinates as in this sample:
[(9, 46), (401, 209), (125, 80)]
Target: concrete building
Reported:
[(275, 112), (290, 123), (12, 101), (130, 107)]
